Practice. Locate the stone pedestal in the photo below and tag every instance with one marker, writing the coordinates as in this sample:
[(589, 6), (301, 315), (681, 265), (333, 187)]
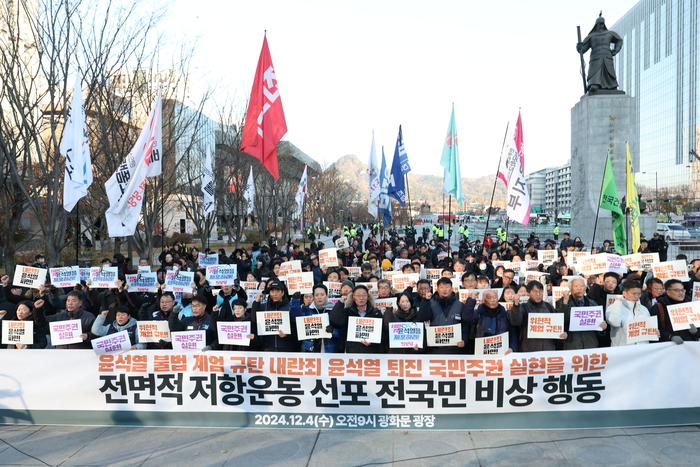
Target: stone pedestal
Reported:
[(599, 123)]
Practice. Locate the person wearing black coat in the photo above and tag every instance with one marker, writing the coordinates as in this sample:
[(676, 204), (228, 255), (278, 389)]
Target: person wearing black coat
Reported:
[(359, 304)]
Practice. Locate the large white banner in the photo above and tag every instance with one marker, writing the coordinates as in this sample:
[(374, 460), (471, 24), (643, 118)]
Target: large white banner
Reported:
[(629, 385)]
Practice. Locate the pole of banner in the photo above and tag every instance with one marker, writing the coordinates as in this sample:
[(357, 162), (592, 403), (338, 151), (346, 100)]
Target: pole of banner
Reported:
[(77, 232), (500, 159), (162, 212), (303, 212), (507, 226), (595, 225), (449, 223), (408, 195)]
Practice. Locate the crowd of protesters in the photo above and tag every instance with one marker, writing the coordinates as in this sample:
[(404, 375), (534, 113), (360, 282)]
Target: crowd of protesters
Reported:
[(504, 307)]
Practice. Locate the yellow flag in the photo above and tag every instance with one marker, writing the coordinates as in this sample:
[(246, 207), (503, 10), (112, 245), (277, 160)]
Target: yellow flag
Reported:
[(632, 202)]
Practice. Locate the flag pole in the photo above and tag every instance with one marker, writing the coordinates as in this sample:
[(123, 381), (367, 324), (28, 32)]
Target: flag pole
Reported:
[(408, 194), (488, 218), (77, 232), (595, 225), (449, 222)]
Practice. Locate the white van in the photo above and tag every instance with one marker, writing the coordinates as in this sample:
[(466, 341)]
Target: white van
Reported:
[(673, 232)]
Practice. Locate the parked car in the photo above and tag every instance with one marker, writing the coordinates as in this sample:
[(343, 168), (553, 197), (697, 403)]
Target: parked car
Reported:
[(694, 233), (673, 232)]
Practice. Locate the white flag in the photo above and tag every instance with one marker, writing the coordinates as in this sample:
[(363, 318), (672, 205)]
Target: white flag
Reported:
[(125, 188), (301, 193), (372, 178), (75, 148), (518, 197), (208, 185), (249, 193)]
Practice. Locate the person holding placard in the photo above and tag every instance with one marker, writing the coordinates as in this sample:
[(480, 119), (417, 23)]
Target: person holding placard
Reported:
[(406, 312), (239, 314), (519, 317), (576, 297), (74, 310), (620, 313), (675, 294), (359, 304), (276, 301), (444, 309), (319, 305), (491, 319), (123, 322), (199, 321), (25, 312)]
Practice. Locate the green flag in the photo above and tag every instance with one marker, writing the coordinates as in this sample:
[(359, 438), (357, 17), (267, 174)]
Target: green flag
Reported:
[(450, 161), (610, 200)]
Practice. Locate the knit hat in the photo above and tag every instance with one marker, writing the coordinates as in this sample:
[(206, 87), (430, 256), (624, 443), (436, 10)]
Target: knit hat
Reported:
[(348, 283), (386, 263)]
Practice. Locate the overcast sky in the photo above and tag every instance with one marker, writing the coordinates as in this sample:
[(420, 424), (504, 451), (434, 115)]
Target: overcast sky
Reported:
[(347, 68)]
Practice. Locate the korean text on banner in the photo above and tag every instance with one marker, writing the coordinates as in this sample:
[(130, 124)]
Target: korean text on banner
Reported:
[(189, 340), (289, 267), (491, 345), (66, 332), (271, 322), (683, 314), (222, 274), (364, 329), (179, 281), (328, 257), (117, 342), (442, 336), (302, 282), (17, 332), (153, 331), (671, 270), (383, 303), (64, 277), (234, 333), (103, 278), (642, 330), (313, 327), (586, 318), (405, 335), (545, 325), (26, 276)]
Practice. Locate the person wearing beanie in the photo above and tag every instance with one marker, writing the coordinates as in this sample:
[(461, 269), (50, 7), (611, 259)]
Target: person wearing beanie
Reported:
[(386, 265), (123, 322), (346, 287)]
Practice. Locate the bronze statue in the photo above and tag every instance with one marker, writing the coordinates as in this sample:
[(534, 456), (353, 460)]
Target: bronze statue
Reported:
[(601, 70)]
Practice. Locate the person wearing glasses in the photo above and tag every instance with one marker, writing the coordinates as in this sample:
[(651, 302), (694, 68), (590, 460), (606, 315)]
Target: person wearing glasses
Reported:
[(620, 313), (675, 294)]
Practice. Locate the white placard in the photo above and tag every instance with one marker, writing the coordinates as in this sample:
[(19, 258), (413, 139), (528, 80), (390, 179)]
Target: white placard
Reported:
[(405, 335), (646, 260), (270, 322), (400, 263), (558, 292), (642, 330), (313, 327), (84, 274), (443, 336), (585, 318), (403, 281), (364, 329), (683, 314), (179, 281), (189, 340), (371, 288), (249, 285), (333, 289), (233, 332), (545, 325), (302, 282), (222, 274), (328, 257), (547, 257), (492, 345), (671, 270), (342, 243), (66, 332), (382, 303), (696, 291), (103, 278), (153, 331), (433, 274), (117, 342), (353, 272), (17, 332), (572, 257), (64, 277), (26, 276), (144, 282), (144, 269), (289, 267)]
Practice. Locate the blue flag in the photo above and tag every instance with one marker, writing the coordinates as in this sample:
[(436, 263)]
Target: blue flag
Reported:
[(384, 200), (399, 168)]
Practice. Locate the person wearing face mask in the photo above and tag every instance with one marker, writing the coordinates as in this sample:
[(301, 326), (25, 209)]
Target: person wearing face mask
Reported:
[(482, 267), (39, 261)]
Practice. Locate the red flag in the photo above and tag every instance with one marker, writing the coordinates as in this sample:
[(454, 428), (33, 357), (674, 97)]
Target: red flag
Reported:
[(264, 123)]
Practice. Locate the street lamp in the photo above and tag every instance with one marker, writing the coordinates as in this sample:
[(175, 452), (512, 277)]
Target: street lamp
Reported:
[(656, 200)]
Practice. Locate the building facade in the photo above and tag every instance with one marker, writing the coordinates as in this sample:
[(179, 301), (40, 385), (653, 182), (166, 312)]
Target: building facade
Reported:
[(557, 194), (658, 64)]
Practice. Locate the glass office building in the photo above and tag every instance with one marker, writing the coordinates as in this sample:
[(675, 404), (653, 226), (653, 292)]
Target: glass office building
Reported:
[(658, 65)]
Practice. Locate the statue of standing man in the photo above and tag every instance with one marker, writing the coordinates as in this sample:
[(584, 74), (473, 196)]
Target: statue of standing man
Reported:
[(601, 70)]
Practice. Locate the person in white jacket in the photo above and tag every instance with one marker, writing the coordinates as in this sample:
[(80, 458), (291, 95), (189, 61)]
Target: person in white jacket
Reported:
[(620, 313)]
